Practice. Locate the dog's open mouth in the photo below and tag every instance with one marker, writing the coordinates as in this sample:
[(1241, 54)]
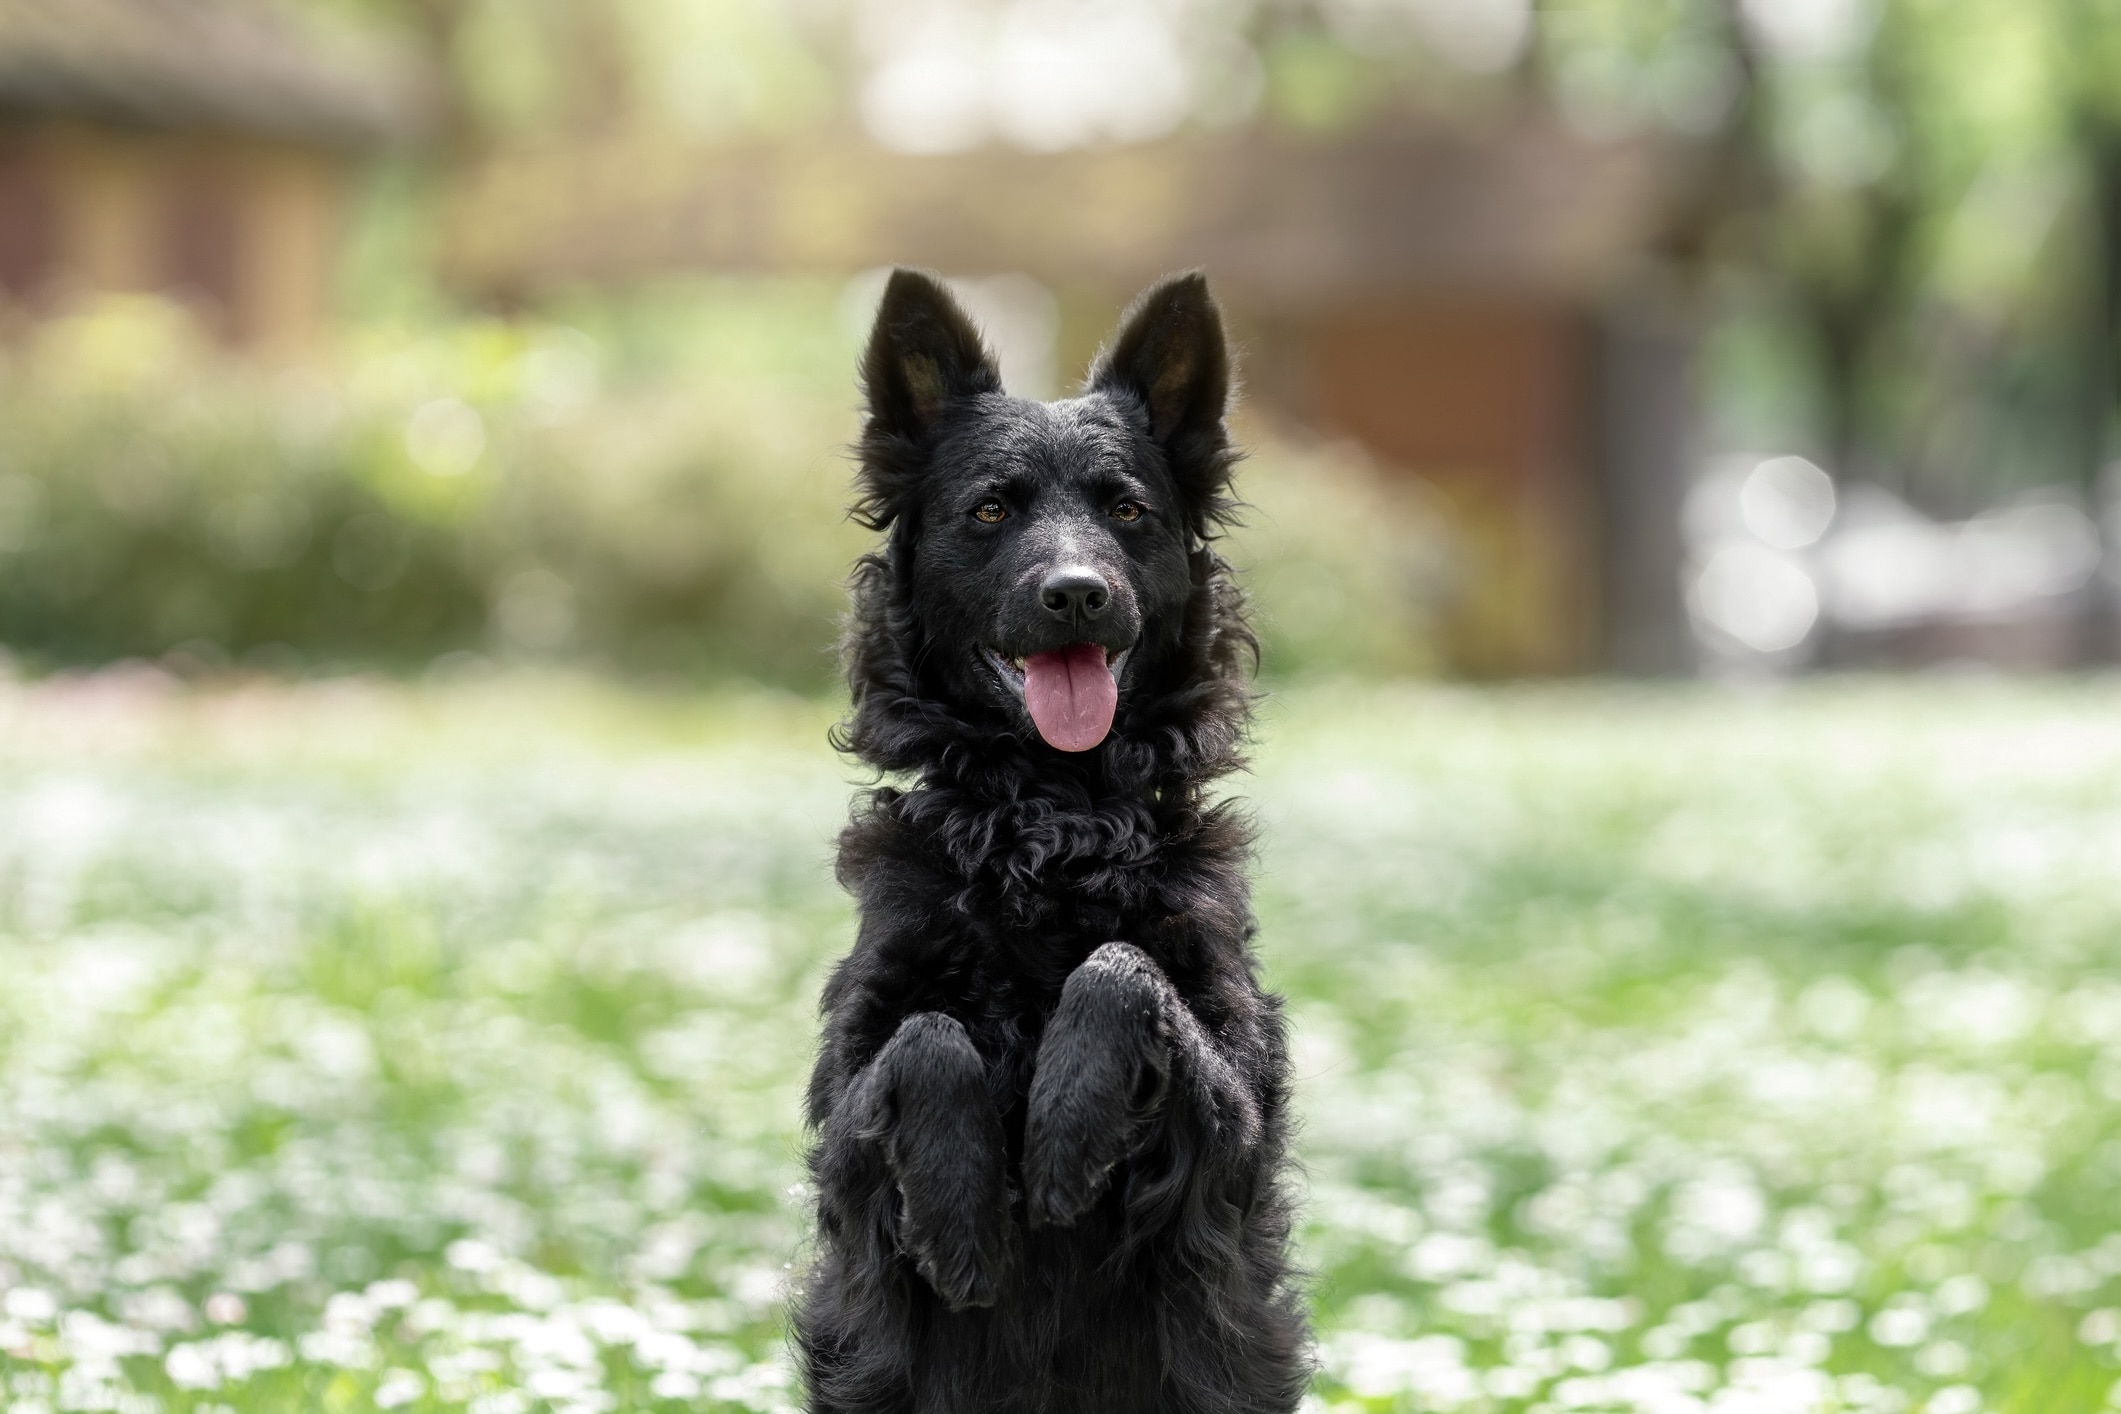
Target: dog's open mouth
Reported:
[(1071, 693)]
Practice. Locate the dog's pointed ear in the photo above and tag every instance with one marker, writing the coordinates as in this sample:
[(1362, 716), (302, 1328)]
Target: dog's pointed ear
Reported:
[(1171, 356), (924, 354)]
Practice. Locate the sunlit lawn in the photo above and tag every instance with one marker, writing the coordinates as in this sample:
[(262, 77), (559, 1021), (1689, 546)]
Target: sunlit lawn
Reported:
[(1670, 1050)]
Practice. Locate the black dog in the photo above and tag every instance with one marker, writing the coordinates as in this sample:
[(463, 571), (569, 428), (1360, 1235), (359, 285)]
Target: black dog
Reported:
[(1051, 1097)]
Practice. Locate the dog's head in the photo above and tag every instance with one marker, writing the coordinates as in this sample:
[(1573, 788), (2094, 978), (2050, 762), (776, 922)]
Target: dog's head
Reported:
[(1047, 560)]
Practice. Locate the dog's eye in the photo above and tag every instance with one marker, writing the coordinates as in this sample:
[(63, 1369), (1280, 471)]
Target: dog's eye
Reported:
[(1128, 510), (990, 512)]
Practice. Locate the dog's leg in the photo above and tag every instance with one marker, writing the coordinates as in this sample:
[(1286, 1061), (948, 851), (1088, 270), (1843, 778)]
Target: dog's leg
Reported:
[(1121, 1048), (918, 1119)]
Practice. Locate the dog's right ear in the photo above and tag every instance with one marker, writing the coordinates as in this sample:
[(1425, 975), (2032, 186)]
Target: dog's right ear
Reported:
[(1171, 361), (924, 354)]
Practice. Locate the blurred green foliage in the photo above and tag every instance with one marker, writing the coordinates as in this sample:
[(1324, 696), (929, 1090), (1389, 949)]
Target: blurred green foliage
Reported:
[(470, 487), (1658, 1051), (655, 486)]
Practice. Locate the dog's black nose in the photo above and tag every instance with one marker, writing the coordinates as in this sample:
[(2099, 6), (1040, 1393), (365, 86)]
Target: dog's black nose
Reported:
[(1077, 594)]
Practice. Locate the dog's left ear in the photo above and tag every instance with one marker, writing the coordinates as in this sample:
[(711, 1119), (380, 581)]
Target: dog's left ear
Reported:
[(1170, 355)]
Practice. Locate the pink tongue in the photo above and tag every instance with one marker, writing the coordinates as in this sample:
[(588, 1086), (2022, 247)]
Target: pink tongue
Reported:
[(1072, 695)]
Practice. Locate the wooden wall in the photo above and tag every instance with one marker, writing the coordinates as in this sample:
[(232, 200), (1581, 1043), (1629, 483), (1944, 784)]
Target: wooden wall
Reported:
[(244, 231), (1485, 399)]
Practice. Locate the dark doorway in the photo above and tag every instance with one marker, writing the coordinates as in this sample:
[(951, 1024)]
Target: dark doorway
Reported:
[(200, 251)]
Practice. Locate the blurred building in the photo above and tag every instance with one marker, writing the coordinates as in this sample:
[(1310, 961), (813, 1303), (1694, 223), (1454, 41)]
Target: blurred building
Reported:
[(199, 148), (1465, 302)]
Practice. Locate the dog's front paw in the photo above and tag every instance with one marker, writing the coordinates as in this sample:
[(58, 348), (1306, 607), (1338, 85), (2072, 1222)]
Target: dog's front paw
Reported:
[(963, 1262), (1102, 1071), (1072, 1144), (1061, 1181)]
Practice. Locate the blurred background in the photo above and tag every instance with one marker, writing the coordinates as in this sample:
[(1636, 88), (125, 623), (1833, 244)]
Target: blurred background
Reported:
[(1636, 336), (422, 485)]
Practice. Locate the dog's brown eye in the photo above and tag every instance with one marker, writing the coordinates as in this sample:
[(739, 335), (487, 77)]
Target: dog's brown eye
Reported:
[(990, 512), (1127, 510)]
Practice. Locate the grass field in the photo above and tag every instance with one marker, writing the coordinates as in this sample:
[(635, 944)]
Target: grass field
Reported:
[(1679, 1050)]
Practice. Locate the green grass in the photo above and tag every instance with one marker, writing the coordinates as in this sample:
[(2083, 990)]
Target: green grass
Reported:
[(1673, 1051)]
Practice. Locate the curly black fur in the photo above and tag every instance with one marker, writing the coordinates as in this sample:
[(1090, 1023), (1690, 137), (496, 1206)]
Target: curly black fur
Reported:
[(1051, 1099)]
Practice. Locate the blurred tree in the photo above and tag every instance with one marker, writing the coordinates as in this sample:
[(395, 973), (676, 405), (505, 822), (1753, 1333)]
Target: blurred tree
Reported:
[(1904, 215), (2088, 52), (438, 25), (1864, 174)]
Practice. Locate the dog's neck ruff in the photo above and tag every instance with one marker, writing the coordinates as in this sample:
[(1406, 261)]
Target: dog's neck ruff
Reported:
[(985, 793), (1032, 835)]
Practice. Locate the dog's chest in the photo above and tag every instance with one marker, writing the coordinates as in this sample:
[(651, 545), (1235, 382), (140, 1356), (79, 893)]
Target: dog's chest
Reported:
[(1010, 984), (1034, 889)]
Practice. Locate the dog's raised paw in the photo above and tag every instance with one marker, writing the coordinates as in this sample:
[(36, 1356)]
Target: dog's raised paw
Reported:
[(962, 1279), (1057, 1194), (963, 1266), (962, 1286)]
